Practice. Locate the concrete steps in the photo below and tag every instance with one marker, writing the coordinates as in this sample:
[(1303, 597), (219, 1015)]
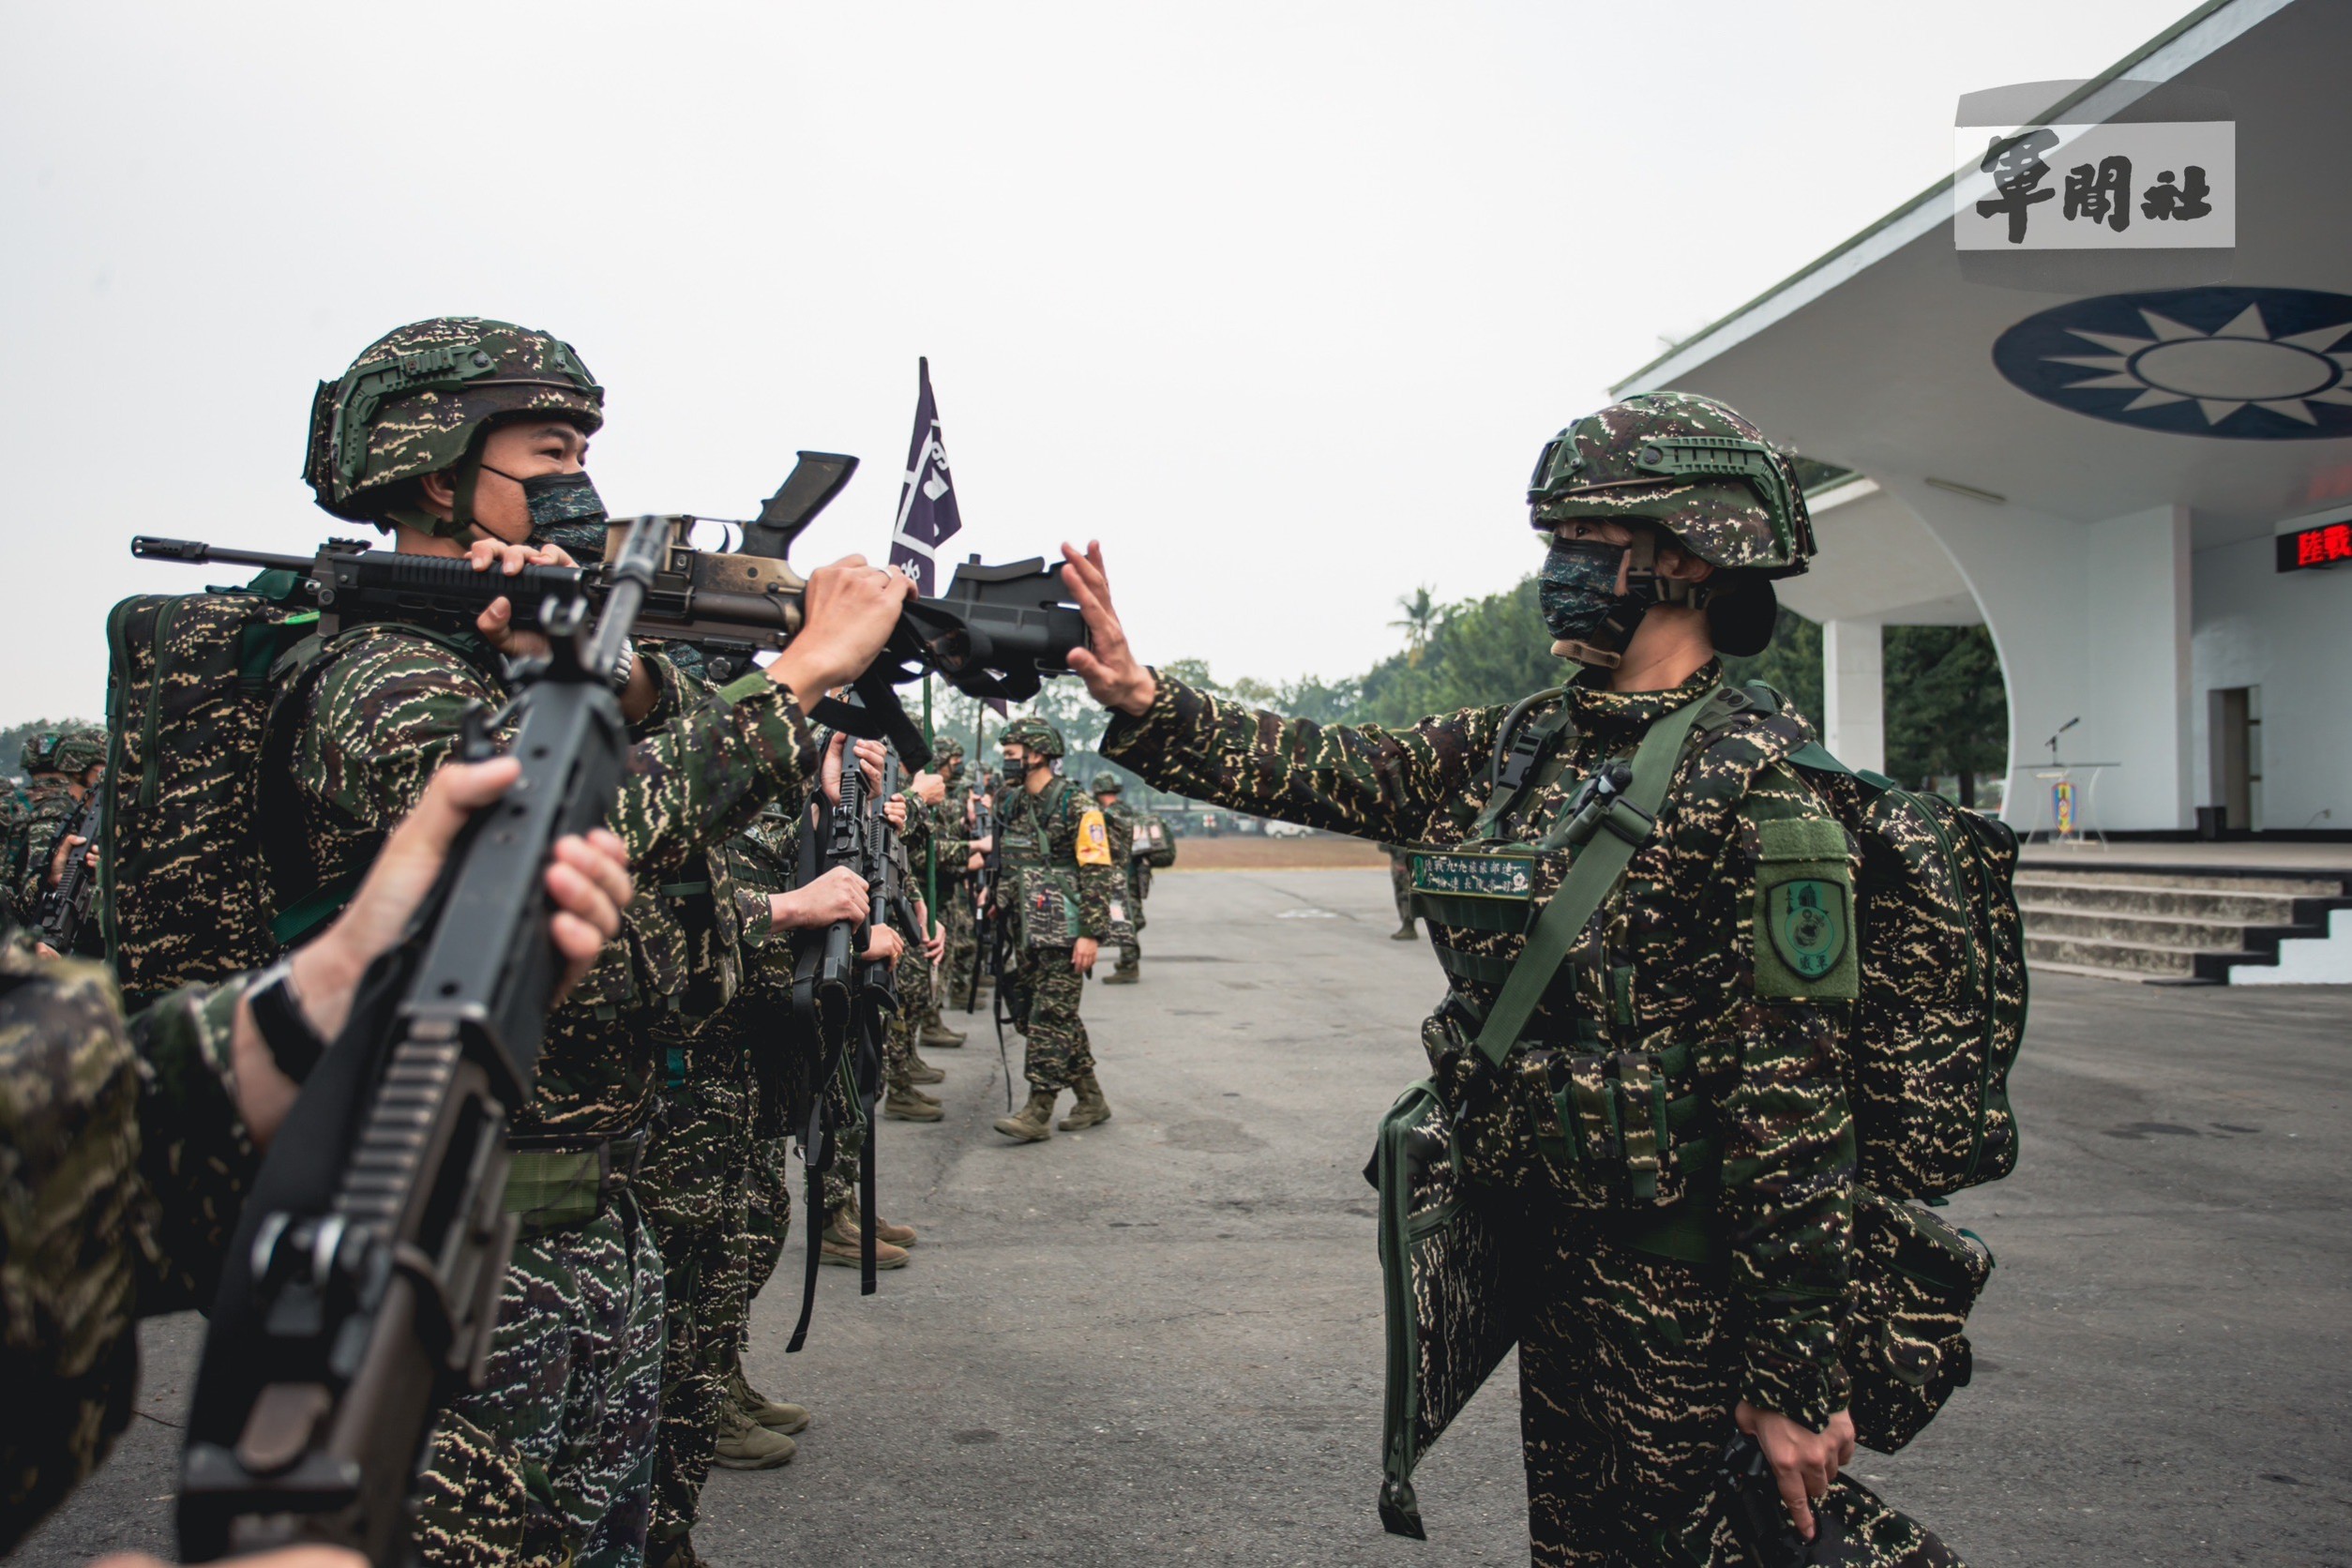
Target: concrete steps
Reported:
[(2170, 925)]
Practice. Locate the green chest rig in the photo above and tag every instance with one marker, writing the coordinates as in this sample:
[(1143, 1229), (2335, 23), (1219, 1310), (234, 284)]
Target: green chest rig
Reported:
[(1615, 1125)]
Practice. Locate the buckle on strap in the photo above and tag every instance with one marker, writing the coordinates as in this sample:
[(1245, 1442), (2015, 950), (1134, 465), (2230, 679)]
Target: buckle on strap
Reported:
[(1599, 803)]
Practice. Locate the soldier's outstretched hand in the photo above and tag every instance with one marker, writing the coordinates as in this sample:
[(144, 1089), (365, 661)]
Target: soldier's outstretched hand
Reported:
[(1112, 674)]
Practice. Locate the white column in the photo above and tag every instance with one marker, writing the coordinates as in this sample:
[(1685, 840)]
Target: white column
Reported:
[(1853, 693), (2136, 652)]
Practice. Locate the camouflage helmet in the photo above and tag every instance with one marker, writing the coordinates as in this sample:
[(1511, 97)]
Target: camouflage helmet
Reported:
[(1694, 467), (1107, 783), (1042, 739), (74, 749), (947, 748), (416, 400)]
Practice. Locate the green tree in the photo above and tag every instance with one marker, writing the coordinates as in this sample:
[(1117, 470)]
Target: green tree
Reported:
[(1419, 619), (1947, 707)]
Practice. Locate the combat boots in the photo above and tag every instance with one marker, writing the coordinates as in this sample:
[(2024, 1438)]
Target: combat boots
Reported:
[(1091, 1108), (677, 1552), (920, 1071), (1034, 1122), (901, 1103), (937, 1037), (745, 1444), (838, 1246), (1125, 974), (1405, 933), (774, 1414)]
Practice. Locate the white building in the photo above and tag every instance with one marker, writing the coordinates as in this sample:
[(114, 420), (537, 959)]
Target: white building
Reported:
[(2120, 541)]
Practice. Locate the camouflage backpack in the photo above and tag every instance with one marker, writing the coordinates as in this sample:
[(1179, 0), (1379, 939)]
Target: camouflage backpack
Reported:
[(184, 879)]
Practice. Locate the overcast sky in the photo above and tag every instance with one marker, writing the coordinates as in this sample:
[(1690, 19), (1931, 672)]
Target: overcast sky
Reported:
[(1278, 300)]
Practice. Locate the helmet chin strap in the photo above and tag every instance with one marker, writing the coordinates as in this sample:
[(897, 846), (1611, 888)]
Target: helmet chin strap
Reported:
[(1640, 588)]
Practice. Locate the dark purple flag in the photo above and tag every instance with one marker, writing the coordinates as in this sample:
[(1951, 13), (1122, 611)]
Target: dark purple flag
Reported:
[(926, 506)]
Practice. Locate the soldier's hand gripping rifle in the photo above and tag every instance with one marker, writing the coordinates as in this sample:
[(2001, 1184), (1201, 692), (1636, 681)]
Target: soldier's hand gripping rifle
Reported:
[(981, 889), (66, 906), (844, 1001), (996, 632), (360, 1292)]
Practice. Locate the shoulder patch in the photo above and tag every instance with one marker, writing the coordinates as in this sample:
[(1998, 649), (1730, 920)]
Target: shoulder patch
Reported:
[(1094, 840), (1804, 913)]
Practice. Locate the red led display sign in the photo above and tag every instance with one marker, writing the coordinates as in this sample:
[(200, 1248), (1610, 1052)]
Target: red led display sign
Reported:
[(2323, 546)]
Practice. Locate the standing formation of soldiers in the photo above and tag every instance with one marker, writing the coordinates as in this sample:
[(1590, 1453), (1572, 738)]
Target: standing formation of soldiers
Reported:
[(651, 1179)]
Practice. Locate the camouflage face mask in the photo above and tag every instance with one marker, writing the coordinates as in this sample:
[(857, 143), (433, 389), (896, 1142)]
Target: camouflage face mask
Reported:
[(1578, 589), (566, 511)]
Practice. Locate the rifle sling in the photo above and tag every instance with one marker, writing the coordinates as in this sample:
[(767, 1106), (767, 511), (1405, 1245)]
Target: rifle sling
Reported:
[(1599, 863)]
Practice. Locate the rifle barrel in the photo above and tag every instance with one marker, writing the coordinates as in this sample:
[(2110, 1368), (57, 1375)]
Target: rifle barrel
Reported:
[(147, 547)]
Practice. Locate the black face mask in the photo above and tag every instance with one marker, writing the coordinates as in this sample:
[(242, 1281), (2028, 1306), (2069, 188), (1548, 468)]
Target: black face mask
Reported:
[(1016, 770), (1577, 587), (566, 512)]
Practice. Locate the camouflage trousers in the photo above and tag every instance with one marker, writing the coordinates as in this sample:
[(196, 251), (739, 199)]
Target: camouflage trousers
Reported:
[(763, 1219), (963, 939), (916, 1006), (1126, 934), (553, 1460), (1057, 1054), (692, 1189), (1629, 1367), (1400, 885)]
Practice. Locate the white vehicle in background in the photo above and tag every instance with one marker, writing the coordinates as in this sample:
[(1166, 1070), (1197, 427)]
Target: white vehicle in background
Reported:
[(1286, 830)]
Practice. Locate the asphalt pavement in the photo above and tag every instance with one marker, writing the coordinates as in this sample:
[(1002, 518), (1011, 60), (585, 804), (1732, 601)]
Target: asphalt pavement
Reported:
[(1160, 1341)]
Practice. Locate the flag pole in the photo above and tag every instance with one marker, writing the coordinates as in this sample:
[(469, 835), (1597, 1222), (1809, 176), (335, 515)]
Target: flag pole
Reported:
[(930, 843)]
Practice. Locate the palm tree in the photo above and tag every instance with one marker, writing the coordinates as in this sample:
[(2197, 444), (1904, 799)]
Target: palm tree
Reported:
[(1420, 619)]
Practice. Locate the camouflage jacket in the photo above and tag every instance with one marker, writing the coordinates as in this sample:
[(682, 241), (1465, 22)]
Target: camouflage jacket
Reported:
[(123, 1166), (1056, 836), (48, 806), (379, 711), (1669, 964)]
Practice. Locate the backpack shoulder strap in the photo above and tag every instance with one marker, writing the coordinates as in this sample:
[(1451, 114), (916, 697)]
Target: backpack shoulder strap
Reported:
[(1629, 814), (1521, 746)]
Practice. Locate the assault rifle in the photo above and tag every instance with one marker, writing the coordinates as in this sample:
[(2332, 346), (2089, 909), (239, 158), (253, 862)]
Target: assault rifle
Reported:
[(996, 632), (845, 1001), (67, 905), (361, 1288), (981, 890)]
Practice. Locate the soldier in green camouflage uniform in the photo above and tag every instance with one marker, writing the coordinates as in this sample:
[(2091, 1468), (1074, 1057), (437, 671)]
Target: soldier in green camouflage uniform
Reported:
[(1666, 516), (953, 818), (1119, 828), (1057, 860), (1400, 886), (467, 437), (65, 765), (125, 1157)]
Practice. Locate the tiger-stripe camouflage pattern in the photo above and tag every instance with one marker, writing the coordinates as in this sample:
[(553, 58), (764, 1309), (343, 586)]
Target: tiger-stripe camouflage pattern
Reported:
[(691, 1191), (380, 712), (1038, 835), (1119, 825), (1904, 1334), (123, 1166), (764, 1221), (184, 878), (50, 804), (1628, 1365), (1667, 979), (556, 1452), (1943, 938), (76, 1226)]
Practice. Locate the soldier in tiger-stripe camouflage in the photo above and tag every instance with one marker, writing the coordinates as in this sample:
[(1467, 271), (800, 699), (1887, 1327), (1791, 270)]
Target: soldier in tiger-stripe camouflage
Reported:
[(1686, 1281), (126, 1155), (465, 437)]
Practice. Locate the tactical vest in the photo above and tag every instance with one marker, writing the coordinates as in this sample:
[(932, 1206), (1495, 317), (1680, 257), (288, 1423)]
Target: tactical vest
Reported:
[(1044, 887)]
